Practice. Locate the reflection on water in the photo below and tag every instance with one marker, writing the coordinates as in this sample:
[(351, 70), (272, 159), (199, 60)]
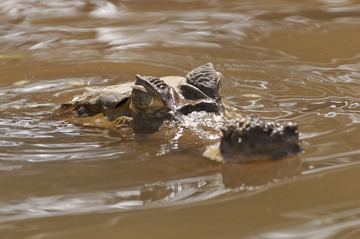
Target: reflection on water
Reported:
[(147, 196), (242, 177), (290, 60)]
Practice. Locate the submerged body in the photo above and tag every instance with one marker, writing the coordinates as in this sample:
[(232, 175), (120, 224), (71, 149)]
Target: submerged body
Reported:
[(153, 103)]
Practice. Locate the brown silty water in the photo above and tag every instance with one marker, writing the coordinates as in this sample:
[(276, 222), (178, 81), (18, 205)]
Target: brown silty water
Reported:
[(283, 60)]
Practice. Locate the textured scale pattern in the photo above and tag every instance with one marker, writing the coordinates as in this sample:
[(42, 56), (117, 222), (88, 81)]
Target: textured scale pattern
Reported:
[(255, 138), (204, 78)]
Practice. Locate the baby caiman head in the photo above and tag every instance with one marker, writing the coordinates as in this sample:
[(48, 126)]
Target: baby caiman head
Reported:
[(151, 101)]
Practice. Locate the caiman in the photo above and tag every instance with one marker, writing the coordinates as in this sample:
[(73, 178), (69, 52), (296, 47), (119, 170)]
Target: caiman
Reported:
[(153, 103)]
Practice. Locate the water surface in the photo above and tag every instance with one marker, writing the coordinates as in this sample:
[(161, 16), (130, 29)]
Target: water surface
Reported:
[(289, 60)]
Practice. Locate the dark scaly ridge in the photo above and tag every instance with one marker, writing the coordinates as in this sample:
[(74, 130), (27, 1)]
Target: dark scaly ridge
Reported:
[(204, 78), (256, 139)]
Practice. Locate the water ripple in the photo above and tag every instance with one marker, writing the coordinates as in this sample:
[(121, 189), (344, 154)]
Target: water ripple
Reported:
[(337, 220), (188, 190)]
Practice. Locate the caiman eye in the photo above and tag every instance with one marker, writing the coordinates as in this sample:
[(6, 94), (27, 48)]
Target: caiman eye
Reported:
[(141, 99)]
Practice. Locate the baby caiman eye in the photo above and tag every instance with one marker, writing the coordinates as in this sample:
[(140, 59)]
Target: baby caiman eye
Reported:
[(142, 100)]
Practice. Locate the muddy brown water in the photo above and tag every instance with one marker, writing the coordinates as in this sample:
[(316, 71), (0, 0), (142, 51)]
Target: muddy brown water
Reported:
[(283, 60)]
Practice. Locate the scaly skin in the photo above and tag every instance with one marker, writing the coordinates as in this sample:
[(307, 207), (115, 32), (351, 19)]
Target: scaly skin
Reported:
[(254, 139)]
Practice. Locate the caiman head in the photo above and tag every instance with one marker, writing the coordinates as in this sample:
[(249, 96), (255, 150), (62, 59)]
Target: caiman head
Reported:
[(150, 101)]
